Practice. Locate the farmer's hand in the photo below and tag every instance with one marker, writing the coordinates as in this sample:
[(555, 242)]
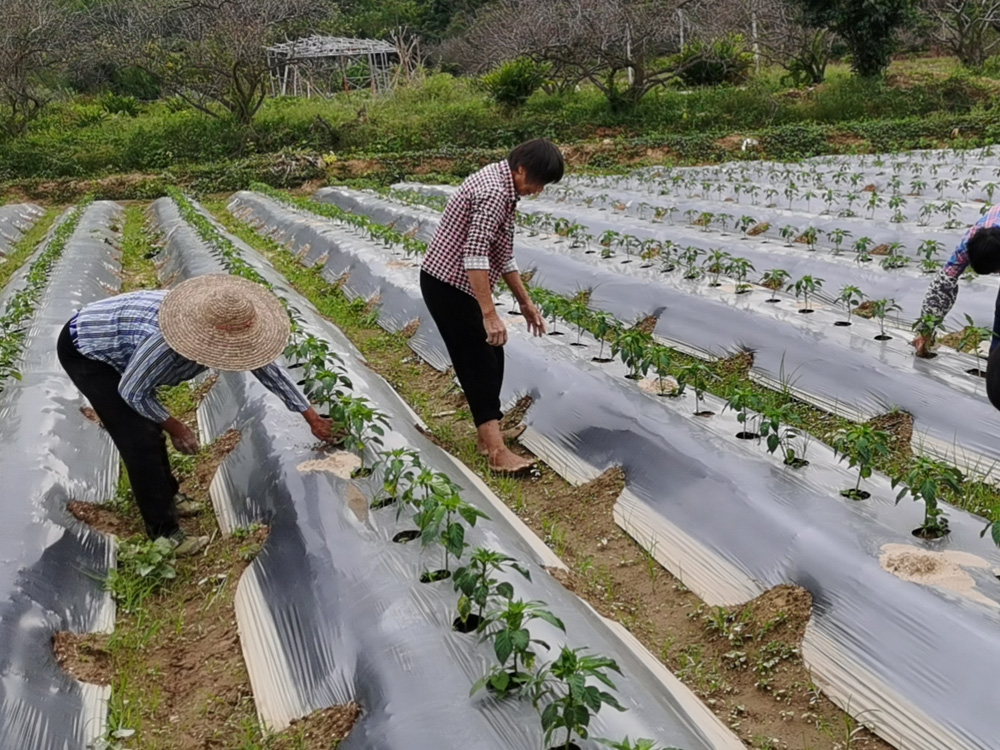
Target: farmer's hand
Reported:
[(182, 436), (922, 345), (496, 331), (321, 427), (535, 320)]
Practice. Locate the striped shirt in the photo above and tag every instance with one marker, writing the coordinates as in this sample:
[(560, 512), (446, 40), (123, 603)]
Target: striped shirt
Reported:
[(476, 232), (124, 332), (943, 291)]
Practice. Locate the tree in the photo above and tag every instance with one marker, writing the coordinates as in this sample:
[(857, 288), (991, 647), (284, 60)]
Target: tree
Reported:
[(619, 46), (967, 28), (32, 39), (211, 53), (868, 27)]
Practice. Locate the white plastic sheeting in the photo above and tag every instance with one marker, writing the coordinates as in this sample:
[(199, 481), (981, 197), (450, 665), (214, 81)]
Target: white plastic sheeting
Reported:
[(332, 611), (915, 661), (15, 220), (52, 565)]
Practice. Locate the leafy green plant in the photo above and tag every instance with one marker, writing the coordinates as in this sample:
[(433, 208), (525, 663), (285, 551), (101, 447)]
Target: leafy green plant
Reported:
[(862, 445), (570, 701), (365, 423), (514, 81), (440, 521), (724, 60), (739, 269), (803, 288), (774, 279), (926, 479), (926, 326), (506, 627), (477, 584), (659, 359), (689, 258), (396, 470), (601, 324), (780, 426), (972, 337), (144, 567), (851, 296), (862, 249), (880, 309), (744, 400), (715, 263), (631, 344), (810, 236), (837, 237), (638, 744), (697, 375)]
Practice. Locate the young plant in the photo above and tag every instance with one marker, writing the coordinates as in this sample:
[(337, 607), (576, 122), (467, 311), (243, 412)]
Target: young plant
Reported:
[(837, 237), (506, 627), (804, 287), (739, 269), (972, 337), (477, 585), (789, 233), (601, 324), (926, 479), (780, 426), (631, 344), (554, 307), (851, 296), (926, 327), (396, 470), (628, 744), (862, 445), (364, 423), (881, 308), (571, 702), (715, 263), (810, 236), (862, 248), (578, 313), (689, 257), (774, 280), (697, 375), (440, 521), (743, 401), (745, 223), (659, 359)]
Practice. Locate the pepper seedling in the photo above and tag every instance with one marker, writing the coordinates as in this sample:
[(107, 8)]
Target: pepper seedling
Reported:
[(881, 308), (477, 584), (851, 296), (697, 376), (804, 287), (440, 521), (774, 280), (659, 359), (926, 479), (927, 326), (862, 445), (631, 344), (972, 338)]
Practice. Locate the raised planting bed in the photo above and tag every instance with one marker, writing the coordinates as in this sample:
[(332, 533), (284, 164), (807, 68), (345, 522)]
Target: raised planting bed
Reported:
[(50, 454), (731, 521), (333, 610), (844, 370), (15, 220)]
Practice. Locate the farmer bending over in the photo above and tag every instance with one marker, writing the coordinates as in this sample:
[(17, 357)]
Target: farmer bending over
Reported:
[(979, 248), (120, 350), (472, 249)]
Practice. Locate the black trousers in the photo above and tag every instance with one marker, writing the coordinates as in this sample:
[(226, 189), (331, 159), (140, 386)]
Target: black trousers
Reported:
[(140, 441), (478, 366)]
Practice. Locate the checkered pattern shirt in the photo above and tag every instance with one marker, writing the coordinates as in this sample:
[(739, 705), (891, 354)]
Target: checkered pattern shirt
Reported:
[(476, 232), (943, 291), (124, 332)]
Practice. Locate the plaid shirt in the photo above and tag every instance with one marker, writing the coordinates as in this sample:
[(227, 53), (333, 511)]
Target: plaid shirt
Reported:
[(476, 232), (124, 332), (943, 290)]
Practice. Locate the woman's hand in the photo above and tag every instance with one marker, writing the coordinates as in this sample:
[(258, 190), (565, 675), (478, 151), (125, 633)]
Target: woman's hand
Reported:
[(182, 436), (496, 331), (534, 319), (922, 345), (322, 428)]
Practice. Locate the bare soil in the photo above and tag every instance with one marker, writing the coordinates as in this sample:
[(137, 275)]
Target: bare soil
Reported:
[(758, 229), (899, 424)]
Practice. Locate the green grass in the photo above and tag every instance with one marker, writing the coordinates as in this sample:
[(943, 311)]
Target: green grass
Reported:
[(27, 244), (139, 272)]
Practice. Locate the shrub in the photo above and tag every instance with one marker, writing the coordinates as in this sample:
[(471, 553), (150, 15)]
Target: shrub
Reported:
[(724, 60), (119, 104), (513, 82)]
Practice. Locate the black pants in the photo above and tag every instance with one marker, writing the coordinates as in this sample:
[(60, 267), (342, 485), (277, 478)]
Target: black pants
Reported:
[(140, 441), (478, 366)]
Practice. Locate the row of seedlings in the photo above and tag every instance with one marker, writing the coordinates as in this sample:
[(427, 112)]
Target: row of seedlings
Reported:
[(559, 690)]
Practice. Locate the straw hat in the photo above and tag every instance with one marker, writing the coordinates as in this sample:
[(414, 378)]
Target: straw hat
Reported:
[(224, 322)]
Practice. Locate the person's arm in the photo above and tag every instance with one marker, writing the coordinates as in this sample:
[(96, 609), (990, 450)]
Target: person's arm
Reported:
[(536, 323), (277, 380), (943, 291), (148, 368), (488, 210), (496, 331)]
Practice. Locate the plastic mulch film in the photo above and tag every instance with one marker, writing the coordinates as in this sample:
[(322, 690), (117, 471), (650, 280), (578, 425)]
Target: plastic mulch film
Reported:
[(15, 220), (331, 610), (53, 565), (904, 632), (842, 369), (907, 286)]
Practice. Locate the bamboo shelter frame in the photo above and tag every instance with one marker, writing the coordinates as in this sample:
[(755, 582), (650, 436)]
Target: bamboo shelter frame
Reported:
[(327, 65)]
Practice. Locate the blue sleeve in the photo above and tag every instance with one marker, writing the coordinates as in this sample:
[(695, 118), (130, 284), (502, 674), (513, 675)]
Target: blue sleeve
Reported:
[(148, 368), (278, 382)]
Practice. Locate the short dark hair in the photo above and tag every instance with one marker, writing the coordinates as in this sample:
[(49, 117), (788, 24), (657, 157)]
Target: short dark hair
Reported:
[(984, 250), (541, 159)]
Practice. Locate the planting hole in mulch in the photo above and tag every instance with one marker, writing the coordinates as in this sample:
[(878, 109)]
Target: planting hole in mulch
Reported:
[(515, 312), (853, 494), (929, 536), (929, 355), (842, 323), (625, 261), (797, 463), (744, 291), (570, 746), (806, 310), (646, 265), (576, 344), (976, 372), (515, 678), (556, 333), (362, 472), (406, 536), (704, 413), (432, 576), (601, 360), (772, 301), (667, 269), (589, 252), (471, 624), (385, 502), (633, 376), (715, 284), (882, 337), (748, 435)]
